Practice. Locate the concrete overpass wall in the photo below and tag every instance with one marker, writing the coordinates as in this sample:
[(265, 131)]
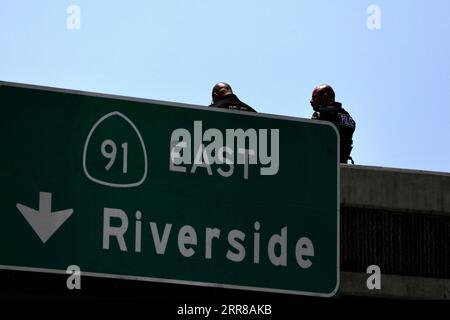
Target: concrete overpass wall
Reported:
[(399, 220)]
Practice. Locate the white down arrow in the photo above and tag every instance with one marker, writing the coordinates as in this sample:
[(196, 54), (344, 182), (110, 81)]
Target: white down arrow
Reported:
[(43, 221)]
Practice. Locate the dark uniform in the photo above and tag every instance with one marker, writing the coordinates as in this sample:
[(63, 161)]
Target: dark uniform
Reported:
[(231, 101), (345, 124)]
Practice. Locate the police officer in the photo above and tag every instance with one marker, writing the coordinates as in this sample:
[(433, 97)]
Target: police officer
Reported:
[(326, 108), (223, 97)]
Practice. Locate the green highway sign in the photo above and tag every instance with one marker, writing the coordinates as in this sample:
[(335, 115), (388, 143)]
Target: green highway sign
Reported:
[(165, 192)]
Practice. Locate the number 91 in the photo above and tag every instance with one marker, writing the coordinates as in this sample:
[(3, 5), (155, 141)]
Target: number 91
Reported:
[(112, 154)]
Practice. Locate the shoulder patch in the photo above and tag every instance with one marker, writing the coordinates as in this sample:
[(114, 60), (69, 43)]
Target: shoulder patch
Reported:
[(346, 120)]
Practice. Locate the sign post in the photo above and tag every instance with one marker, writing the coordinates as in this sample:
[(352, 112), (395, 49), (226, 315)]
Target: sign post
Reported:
[(164, 192)]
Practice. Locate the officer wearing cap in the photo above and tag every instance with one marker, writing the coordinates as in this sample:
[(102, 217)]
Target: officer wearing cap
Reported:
[(326, 108), (224, 98)]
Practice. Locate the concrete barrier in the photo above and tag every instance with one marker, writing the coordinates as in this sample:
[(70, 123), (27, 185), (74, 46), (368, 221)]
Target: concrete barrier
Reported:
[(395, 189), (399, 220)]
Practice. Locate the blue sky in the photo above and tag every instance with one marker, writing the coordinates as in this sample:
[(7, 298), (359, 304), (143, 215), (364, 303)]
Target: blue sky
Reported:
[(394, 81)]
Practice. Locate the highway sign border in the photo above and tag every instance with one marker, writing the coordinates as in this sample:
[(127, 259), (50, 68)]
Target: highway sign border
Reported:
[(203, 108)]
